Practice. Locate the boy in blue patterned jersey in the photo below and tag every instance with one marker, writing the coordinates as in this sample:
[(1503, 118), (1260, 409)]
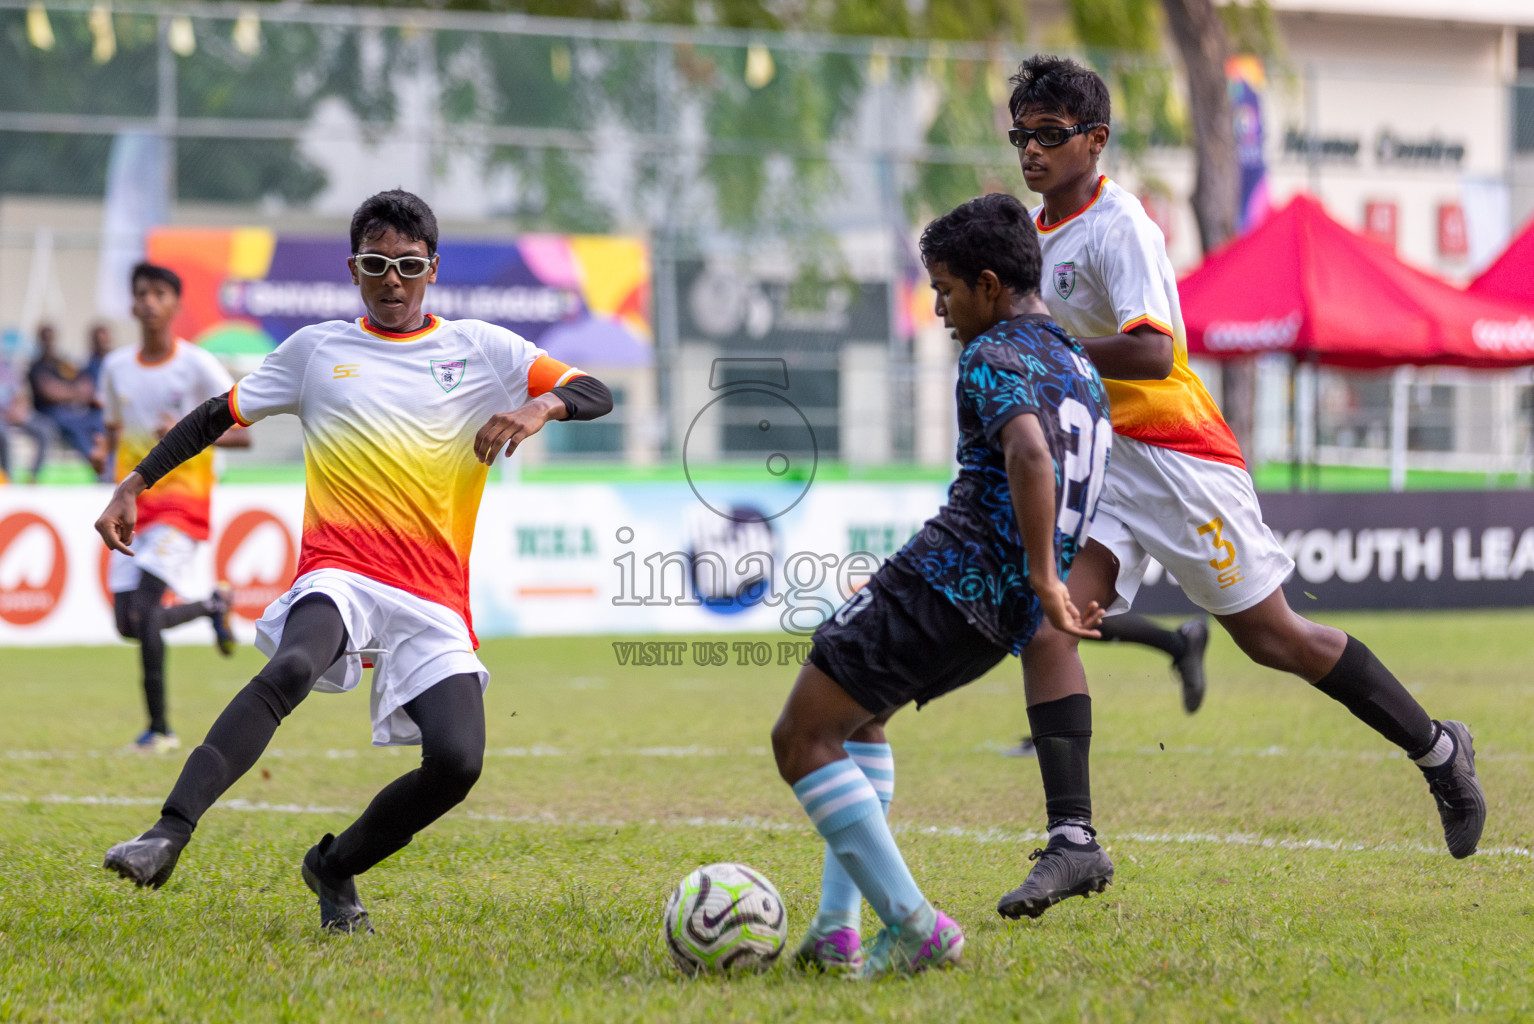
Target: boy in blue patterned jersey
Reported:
[(970, 588)]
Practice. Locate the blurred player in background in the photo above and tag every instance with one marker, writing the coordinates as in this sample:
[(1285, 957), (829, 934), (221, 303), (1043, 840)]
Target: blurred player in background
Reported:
[(1177, 489), (143, 390), (970, 588), (402, 412)]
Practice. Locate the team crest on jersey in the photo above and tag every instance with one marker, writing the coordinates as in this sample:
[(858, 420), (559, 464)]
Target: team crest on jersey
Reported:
[(448, 372), (1065, 279)]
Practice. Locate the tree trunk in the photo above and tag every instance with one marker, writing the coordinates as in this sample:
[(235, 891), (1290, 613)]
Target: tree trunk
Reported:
[(1201, 39)]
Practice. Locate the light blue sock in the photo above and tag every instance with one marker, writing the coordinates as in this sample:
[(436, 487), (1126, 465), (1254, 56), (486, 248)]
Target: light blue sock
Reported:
[(841, 904), (845, 809)]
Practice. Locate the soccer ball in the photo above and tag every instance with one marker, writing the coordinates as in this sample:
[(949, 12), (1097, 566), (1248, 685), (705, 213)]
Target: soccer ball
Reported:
[(725, 917)]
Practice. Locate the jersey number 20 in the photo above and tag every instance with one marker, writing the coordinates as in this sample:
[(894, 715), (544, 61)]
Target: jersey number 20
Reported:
[(1084, 468)]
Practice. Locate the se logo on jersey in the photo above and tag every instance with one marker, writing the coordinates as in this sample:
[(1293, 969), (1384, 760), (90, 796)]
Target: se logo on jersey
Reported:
[(1065, 279), (448, 372)]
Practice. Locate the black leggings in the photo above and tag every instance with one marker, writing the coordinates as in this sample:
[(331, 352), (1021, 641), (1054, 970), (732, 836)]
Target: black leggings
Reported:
[(141, 615), (451, 715)]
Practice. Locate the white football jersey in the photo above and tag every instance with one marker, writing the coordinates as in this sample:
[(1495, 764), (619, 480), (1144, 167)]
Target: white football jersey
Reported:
[(393, 487), (143, 399), (1106, 272)]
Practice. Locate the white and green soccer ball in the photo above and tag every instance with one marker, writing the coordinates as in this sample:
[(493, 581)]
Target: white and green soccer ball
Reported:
[(725, 917)]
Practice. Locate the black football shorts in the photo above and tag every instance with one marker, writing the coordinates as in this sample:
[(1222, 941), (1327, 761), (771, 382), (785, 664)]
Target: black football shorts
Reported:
[(898, 640)]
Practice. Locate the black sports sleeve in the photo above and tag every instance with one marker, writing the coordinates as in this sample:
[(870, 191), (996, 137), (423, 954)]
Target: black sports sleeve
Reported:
[(196, 430), (585, 398)]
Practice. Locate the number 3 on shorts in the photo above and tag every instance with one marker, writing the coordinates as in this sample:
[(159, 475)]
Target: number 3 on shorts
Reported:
[(1230, 573)]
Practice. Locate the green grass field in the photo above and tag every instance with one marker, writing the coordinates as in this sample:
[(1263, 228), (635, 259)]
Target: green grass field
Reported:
[(1276, 860)]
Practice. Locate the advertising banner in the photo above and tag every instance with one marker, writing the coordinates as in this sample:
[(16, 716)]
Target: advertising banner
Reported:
[(548, 559), (1447, 549), (53, 566), (1245, 81), (724, 557), (583, 298)]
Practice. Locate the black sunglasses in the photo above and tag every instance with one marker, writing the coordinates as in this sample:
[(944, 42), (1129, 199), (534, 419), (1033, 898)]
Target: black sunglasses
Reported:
[(1049, 136)]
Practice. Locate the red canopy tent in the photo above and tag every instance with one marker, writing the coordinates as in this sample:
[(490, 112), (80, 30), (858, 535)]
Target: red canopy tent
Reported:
[(1305, 285), (1511, 277)]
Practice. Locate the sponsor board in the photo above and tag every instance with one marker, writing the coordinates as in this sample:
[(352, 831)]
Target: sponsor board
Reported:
[(53, 565), (652, 559)]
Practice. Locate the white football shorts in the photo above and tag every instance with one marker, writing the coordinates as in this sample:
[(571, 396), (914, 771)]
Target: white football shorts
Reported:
[(1199, 519), (411, 642), (162, 551)]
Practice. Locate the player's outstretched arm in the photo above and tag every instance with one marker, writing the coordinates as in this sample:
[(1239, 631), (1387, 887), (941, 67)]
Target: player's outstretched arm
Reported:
[(1031, 480), (197, 430), (582, 398)]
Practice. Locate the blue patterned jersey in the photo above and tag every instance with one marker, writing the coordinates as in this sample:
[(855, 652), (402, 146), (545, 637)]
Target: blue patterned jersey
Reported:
[(972, 550)]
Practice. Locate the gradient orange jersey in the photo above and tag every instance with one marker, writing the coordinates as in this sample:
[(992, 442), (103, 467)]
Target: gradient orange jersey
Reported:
[(142, 400), (393, 487), (1106, 272)]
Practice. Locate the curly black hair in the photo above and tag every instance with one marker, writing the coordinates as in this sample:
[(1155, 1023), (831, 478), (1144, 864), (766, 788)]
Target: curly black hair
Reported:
[(403, 211), (993, 232), (1060, 86)]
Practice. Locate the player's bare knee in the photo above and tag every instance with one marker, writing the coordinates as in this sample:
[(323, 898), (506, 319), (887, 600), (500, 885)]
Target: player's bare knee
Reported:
[(1273, 649), (1050, 641), (871, 732), (796, 744), (783, 745)]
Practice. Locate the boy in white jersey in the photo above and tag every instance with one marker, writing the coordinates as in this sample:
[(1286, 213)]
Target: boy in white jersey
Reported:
[(1177, 487), (402, 411), (143, 391)]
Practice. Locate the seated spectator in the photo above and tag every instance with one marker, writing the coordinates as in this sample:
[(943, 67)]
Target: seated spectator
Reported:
[(16, 415), (61, 400), (101, 344)]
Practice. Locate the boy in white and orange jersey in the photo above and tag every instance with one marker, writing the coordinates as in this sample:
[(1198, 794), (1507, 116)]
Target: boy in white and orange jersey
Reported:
[(1177, 490), (402, 412), (143, 391)]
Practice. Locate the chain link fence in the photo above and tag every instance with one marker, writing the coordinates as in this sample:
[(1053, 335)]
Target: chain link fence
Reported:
[(778, 180)]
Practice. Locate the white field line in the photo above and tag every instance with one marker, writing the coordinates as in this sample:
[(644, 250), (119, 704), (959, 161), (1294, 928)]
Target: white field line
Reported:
[(348, 753), (755, 824), (542, 750)]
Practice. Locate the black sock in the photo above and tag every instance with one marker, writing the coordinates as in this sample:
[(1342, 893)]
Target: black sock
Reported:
[(1365, 687), (313, 638), (145, 619), (1062, 735), (233, 745), (177, 614), (152, 660), (451, 715), (1137, 629)]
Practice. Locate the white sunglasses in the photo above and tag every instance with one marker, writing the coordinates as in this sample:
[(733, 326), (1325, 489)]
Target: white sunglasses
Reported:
[(376, 265)]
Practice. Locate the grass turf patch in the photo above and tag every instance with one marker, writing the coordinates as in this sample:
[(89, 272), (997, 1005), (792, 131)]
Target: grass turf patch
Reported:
[(1276, 860)]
